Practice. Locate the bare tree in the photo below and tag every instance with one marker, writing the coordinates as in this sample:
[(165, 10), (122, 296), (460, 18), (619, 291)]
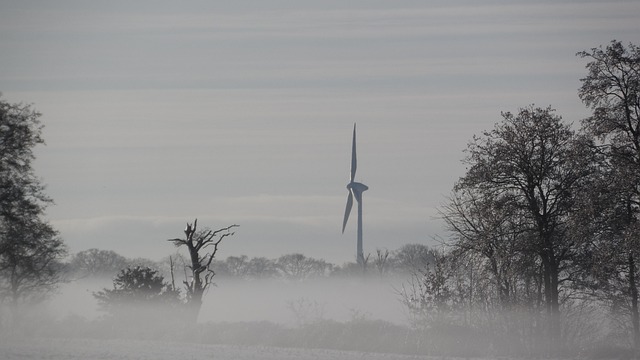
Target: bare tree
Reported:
[(540, 164), (298, 266), (202, 247), (493, 229), (261, 268), (430, 293), (612, 90), (236, 266), (95, 262), (412, 258)]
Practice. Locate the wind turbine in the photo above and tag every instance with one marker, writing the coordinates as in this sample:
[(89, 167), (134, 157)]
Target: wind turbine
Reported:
[(355, 190)]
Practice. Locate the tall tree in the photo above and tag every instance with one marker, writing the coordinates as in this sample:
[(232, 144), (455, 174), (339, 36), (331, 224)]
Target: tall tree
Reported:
[(491, 228), (538, 163), (202, 247), (612, 90), (30, 250)]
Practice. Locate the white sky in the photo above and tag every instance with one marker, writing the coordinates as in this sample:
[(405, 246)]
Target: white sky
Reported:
[(241, 112)]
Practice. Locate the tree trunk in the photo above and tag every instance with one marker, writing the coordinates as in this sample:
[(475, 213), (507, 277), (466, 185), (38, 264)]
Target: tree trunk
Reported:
[(193, 309), (556, 333), (546, 275), (197, 289), (539, 285), (633, 292), (552, 304), (501, 291)]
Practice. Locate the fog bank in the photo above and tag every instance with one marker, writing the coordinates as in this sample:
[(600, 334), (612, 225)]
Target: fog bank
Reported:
[(275, 300)]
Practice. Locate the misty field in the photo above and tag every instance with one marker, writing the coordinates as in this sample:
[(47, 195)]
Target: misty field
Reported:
[(71, 349), (266, 300), (316, 319)]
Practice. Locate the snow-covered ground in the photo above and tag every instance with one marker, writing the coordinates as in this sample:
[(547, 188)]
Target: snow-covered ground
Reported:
[(89, 349)]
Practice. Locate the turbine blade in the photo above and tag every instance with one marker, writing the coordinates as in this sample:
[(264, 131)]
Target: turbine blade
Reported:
[(354, 161), (347, 210)]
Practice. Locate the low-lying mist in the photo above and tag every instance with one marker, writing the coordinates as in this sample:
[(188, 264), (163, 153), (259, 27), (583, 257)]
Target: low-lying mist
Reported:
[(436, 311), (400, 311), (353, 313), (345, 313), (293, 302), (287, 302)]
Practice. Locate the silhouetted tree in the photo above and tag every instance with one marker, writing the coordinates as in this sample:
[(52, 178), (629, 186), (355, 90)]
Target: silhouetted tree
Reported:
[(298, 266), (202, 247), (412, 258), (261, 268), (494, 232), (539, 164), (612, 90), (234, 266), (95, 262), (30, 249)]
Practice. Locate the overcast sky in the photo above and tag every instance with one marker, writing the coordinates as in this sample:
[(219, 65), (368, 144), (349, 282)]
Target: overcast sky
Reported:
[(241, 112)]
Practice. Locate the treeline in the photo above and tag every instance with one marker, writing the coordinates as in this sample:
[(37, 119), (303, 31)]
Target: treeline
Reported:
[(544, 232), (408, 259)]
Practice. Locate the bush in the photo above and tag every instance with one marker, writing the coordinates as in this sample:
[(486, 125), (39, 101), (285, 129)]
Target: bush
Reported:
[(140, 296)]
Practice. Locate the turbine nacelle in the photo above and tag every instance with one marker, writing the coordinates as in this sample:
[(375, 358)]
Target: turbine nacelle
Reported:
[(357, 187)]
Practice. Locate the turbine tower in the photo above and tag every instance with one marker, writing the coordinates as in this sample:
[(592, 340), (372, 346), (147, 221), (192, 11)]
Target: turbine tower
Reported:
[(355, 190)]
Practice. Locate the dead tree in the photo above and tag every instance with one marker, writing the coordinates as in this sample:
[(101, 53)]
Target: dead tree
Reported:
[(202, 247)]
